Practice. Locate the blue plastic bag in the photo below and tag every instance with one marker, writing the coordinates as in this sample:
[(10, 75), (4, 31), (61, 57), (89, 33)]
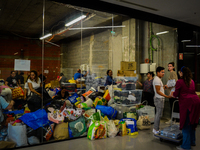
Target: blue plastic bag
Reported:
[(133, 128), (35, 119), (70, 133), (108, 111), (14, 112), (73, 98)]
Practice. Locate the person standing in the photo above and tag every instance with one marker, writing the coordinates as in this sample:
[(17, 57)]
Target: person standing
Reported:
[(189, 104), (148, 92), (79, 75), (11, 81), (159, 97), (109, 79), (172, 76)]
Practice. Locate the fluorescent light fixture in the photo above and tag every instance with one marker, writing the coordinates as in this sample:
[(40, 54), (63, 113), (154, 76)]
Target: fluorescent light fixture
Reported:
[(162, 32), (75, 20), (46, 36), (101, 27), (192, 45), (186, 41)]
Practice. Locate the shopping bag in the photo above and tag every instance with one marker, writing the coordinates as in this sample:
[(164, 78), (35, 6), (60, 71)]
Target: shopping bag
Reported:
[(71, 114), (61, 131), (108, 111), (99, 101), (49, 131), (143, 123), (112, 129), (35, 119), (78, 127), (17, 134), (33, 140), (73, 98), (97, 130), (147, 110), (54, 115), (107, 95), (130, 115), (17, 93)]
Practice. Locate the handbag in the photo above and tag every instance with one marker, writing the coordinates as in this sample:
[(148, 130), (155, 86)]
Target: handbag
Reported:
[(143, 123), (61, 131)]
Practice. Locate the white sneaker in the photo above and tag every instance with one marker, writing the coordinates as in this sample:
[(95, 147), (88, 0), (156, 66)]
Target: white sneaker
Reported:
[(168, 122), (155, 132)]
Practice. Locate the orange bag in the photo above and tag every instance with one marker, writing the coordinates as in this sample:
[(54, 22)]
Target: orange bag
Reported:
[(17, 93), (107, 95)]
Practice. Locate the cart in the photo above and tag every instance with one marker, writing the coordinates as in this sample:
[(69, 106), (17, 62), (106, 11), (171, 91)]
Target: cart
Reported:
[(174, 115)]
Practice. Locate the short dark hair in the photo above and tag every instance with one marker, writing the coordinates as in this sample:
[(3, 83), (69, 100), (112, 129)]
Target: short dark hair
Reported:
[(61, 74), (12, 72), (172, 63), (108, 71), (158, 69), (151, 73)]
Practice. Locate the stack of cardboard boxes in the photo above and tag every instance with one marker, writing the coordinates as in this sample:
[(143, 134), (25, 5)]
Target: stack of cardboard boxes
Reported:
[(127, 69)]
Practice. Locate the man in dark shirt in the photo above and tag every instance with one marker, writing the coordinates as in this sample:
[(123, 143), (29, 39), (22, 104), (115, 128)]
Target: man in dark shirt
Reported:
[(11, 81)]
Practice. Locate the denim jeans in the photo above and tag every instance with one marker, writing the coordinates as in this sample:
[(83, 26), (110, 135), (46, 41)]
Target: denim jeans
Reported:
[(188, 134)]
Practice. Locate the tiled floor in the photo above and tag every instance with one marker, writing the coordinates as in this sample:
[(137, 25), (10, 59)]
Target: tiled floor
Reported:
[(143, 141)]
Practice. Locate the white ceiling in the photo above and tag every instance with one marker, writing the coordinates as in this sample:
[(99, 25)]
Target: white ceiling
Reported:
[(187, 11)]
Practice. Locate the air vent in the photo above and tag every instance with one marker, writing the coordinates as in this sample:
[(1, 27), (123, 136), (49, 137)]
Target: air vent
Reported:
[(138, 5)]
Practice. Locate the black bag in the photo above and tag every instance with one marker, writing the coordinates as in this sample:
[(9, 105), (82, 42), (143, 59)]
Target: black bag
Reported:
[(34, 102)]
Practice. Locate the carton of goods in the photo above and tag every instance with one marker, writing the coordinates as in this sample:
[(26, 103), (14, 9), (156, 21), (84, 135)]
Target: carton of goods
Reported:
[(128, 65), (126, 73)]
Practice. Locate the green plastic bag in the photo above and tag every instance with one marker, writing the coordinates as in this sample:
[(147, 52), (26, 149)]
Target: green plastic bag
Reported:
[(97, 130)]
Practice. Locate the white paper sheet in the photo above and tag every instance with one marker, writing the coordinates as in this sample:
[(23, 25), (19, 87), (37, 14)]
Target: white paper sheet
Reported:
[(22, 65)]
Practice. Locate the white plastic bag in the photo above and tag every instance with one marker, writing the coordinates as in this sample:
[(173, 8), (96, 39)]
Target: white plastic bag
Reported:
[(147, 110), (112, 129), (17, 134), (171, 83)]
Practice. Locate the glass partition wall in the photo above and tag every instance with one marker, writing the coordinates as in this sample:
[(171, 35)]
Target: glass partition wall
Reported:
[(71, 60)]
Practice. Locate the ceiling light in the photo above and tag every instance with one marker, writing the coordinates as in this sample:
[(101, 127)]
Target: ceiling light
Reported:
[(75, 20), (186, 41), (162, 32), (101, 27), (192, 45), (46, 36)]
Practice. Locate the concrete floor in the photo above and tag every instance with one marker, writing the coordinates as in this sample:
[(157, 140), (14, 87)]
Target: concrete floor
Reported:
[(143, 141)]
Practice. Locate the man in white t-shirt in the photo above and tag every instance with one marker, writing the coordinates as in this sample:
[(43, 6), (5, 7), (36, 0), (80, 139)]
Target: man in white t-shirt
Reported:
[(159, 97)]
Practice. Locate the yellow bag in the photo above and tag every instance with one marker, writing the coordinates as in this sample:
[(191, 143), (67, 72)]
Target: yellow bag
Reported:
[(17, 93), (99, 101), (61, 131)]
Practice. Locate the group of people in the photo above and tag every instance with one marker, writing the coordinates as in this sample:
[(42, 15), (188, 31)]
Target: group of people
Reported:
[(189, 102)]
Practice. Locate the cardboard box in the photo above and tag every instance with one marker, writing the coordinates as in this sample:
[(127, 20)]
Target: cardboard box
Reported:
[(126, 73), (55, 84), (128, 65)]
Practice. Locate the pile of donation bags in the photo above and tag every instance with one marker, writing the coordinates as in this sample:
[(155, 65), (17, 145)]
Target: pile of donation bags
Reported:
[(88, 114)]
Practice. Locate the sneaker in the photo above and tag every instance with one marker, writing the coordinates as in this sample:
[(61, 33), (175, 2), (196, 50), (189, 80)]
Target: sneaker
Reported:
[(168, 122), (155, 132), (180, 148)]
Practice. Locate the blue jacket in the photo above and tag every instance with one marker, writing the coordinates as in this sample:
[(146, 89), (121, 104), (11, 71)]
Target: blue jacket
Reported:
[(109, 81)]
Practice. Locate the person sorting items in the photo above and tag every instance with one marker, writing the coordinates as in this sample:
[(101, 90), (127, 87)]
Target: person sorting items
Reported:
[(79, 75), (148, 92), (159, 98), (109, 79), (11, 81), (189, 104)]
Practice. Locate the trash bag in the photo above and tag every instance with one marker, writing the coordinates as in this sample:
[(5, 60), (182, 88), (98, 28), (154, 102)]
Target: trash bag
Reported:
[(34, 102), (33, 140), (35, 119), (108, 111)]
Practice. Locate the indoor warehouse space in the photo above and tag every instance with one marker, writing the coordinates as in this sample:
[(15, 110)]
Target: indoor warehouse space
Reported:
[(97, 75)]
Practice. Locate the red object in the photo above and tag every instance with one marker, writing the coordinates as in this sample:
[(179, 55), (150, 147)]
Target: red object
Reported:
[(188, 100), (180, 56), (72, 112)]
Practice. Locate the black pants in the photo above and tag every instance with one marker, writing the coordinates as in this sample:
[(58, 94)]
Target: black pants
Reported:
[(176, 106), (149, 98)]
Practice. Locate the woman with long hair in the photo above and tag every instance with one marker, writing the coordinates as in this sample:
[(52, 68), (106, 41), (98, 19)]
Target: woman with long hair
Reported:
[(189, 104), (34, 82), (172, 76)]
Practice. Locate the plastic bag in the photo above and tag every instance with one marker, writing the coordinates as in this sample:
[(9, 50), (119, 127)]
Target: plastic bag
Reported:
[(143, 123), (99, 101), (17, 93), (33, 140), (61, 131), (147, 110), (78, 127), (107, 95), (108, 111), (73, 98), (17, 134), (55, 115), (112, 129), (35, 119), (97, 130)]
